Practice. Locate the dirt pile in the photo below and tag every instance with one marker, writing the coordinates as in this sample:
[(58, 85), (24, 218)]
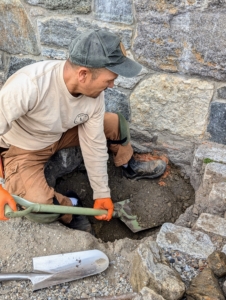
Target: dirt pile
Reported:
[(154, 201)]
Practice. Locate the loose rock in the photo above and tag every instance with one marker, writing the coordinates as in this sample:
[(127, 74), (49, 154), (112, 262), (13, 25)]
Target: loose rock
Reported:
[(148, 294), (148, 270), (205, 286), (217, 263)]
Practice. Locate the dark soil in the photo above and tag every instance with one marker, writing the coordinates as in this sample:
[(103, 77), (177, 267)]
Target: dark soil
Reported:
[(153, 201)]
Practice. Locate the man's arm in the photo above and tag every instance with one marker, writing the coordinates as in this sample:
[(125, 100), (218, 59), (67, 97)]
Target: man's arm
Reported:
[(17, 97), (94, 149)]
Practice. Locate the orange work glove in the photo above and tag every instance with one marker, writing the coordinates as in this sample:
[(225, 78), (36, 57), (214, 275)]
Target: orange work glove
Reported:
[(104, 203), (5, 198)]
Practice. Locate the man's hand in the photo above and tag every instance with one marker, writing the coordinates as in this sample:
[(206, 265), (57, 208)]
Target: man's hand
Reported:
[(104, 203), (5, 198)]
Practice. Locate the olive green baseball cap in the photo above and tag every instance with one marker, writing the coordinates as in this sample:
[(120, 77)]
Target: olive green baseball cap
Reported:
[(102, 49)]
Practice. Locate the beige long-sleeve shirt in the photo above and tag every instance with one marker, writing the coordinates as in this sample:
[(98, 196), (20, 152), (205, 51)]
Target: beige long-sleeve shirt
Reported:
[(36, 108)]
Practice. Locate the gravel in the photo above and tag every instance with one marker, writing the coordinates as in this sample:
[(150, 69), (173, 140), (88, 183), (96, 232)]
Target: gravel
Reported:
[(98, 285), (21, 240), (187, 266), (95, 286)]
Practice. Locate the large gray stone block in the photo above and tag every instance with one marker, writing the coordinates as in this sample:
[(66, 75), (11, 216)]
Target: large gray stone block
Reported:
[(16, 62), (211, 224), (176, 36), (173, 103), (114, 11), (217, 123), (59, 31), (130, 83), (116, 101), (77, 6), (54, 53), (17, 32), (194, 243)]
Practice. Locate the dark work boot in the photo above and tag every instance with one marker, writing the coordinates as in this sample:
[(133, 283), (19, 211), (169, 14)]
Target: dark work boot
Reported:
[(61, 163), (78, 222), (149, 169)]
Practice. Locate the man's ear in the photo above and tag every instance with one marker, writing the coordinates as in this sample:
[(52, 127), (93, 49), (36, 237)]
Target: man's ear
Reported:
[(82, 74)]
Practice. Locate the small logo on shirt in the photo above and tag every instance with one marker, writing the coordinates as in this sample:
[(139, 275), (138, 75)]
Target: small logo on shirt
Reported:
[(81, 118)]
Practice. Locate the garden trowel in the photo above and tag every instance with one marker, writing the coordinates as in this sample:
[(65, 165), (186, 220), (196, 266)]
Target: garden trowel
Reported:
[(55, 269)]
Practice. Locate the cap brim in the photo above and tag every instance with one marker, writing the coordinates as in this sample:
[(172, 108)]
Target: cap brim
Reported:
[(129, 68)]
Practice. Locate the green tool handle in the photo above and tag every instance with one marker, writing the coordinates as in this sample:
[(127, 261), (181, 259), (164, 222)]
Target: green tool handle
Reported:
[(45, 208)]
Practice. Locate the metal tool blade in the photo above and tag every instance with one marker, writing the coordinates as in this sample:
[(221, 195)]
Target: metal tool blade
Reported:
[(55, 269)]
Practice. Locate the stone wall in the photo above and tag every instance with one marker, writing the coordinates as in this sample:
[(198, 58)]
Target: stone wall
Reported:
[(177, 102)]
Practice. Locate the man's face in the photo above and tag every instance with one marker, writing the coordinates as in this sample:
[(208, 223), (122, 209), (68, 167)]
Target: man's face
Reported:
[(103, 80)]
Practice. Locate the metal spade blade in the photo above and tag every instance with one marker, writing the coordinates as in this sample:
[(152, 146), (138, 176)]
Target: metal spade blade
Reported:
[(60, 268)]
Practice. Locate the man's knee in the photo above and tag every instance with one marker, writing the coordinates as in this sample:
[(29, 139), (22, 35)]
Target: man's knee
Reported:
[(116, 129)]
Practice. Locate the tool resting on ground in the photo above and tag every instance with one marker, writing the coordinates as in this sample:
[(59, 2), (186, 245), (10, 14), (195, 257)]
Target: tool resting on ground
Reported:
[(60, 268)]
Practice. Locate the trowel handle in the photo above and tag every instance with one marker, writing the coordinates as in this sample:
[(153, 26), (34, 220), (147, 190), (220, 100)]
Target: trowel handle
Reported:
[(15, 276)]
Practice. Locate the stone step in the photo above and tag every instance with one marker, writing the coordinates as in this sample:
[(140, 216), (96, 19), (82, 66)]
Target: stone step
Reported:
[(211, 224), (206, 152), (217, 199), (211, 193), (194, 243), (214, 172)]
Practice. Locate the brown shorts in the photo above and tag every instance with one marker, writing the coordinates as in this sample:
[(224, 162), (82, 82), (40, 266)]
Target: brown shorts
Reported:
[(24, 169)]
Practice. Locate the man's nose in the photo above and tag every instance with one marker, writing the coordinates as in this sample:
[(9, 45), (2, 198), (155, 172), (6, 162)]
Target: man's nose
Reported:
[(111, 85)]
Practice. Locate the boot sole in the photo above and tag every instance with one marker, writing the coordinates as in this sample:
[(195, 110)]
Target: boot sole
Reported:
[(145, 176)]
